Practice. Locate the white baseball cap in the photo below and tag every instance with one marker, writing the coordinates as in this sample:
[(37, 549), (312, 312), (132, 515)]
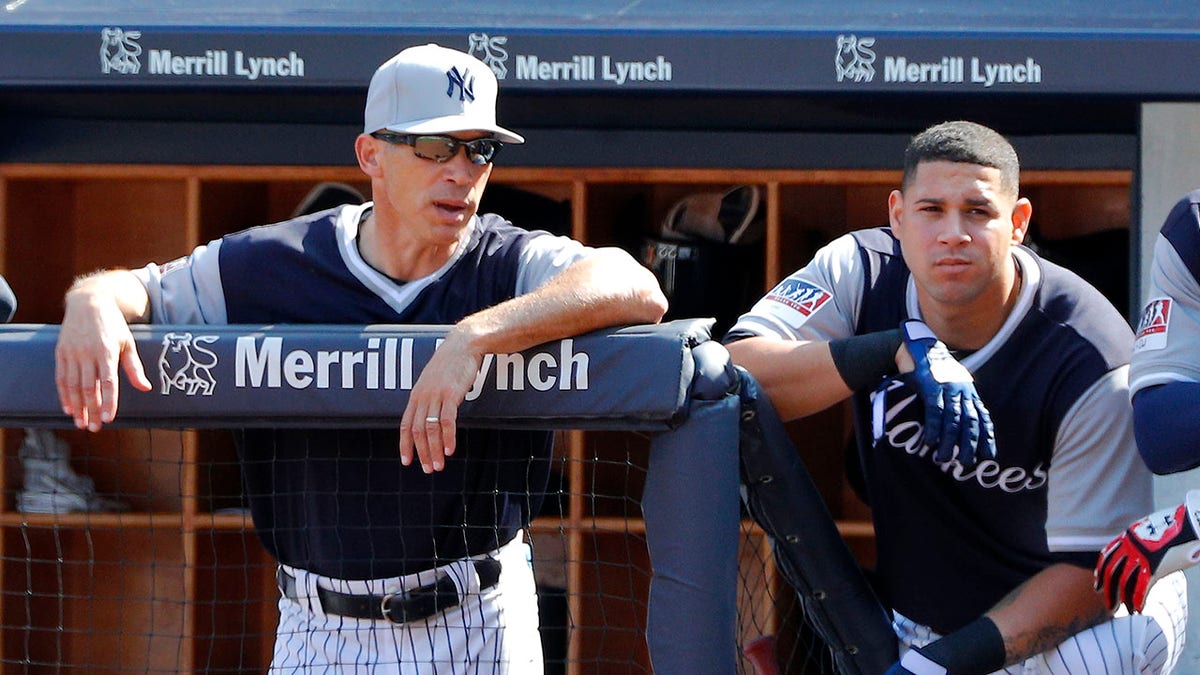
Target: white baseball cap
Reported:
[(434, 90)]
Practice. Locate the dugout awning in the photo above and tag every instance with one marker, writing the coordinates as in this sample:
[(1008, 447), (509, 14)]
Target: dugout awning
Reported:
[(1142, 47)]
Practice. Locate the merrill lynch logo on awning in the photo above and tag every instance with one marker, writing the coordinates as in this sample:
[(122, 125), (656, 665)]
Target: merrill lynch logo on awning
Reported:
[(492, 50), (120, 52), (856, 57), (188, 365)]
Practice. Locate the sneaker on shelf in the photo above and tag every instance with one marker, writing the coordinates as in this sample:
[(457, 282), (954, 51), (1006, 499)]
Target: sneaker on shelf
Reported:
[(43, 444), (51, 485)]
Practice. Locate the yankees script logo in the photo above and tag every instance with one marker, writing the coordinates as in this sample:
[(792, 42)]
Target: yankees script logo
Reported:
[(491, 51), (854, 58), (185, 364), (898, 424)]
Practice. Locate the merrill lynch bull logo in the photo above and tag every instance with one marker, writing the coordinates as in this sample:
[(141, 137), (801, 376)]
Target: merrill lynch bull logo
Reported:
[(119, 51), (855, 58), (185, 364), (490, 49)]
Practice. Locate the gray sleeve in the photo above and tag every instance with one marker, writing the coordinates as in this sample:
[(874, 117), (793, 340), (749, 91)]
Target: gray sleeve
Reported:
[(1097, 482), (187, 290), (1168, 332), (819, 302), (544, 257)]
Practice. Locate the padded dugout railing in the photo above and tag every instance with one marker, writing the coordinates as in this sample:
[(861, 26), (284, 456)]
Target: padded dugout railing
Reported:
[(667, 380)]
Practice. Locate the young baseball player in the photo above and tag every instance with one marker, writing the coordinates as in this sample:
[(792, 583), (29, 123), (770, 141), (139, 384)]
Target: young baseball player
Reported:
[(1164, 381), (985, 559), (399, 549)]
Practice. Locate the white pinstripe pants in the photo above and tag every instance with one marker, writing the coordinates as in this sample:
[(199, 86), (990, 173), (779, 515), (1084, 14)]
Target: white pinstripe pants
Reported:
[(493, 632), (1130, 644)]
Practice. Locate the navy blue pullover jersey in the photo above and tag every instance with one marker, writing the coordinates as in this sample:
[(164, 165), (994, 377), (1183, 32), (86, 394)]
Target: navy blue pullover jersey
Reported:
[(977, 534), (953, 542), (338, 502)]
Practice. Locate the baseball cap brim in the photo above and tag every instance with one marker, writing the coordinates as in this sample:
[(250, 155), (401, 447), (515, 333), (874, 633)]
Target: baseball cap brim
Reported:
[(451, 124)]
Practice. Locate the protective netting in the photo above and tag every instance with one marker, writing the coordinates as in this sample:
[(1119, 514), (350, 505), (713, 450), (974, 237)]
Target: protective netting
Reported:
[(121, 553)]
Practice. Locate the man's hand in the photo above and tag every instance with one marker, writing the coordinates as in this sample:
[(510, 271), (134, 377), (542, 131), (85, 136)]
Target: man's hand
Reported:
[(430, 420), (94, 342), (1153, 547), (954, 413)]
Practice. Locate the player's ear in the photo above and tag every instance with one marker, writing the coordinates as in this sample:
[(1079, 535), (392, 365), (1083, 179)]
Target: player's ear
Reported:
[(895, 208), (1021, 215), (367, 151)]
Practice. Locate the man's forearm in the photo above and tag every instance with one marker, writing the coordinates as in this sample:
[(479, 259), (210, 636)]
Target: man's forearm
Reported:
[(799, 377), (1037, 616), (1050, 607), (607, 289), (94, 344), (118, 286)]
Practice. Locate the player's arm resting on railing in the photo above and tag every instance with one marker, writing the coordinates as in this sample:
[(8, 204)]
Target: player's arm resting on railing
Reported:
[(95, 342), (607, 288), (804, 377), (798, 341), (800, 377)]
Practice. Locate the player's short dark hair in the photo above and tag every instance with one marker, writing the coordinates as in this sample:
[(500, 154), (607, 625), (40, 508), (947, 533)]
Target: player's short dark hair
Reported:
[(966, 142)]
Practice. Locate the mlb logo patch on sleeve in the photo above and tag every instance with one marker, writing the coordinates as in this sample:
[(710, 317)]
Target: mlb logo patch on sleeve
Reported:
[(800, 297), (1152, 327)]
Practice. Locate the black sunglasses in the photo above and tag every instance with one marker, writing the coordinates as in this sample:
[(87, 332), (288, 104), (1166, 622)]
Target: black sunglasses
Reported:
[(444, 148)]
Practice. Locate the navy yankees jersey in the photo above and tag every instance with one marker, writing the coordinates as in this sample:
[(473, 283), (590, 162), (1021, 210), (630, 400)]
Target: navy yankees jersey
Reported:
[(1168, 333), (953, 541), (337, 501)]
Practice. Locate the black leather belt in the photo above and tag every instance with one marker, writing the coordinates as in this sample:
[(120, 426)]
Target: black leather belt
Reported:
[(412, 605)]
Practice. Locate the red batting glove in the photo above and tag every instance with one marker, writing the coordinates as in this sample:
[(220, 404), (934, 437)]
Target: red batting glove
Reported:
[(1153, 547)]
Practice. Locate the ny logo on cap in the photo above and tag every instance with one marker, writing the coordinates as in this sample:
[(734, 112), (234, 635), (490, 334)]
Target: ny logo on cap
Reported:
[(464, 81)]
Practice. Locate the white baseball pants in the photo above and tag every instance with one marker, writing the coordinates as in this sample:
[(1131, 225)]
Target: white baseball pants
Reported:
[(493, 632), (1130, 644)]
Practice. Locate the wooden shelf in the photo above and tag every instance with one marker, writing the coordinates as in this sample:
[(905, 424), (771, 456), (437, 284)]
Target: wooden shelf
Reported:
[(164, 522)]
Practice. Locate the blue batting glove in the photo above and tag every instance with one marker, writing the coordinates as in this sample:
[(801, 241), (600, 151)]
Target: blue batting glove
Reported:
[(954, 413), (898, 669)]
